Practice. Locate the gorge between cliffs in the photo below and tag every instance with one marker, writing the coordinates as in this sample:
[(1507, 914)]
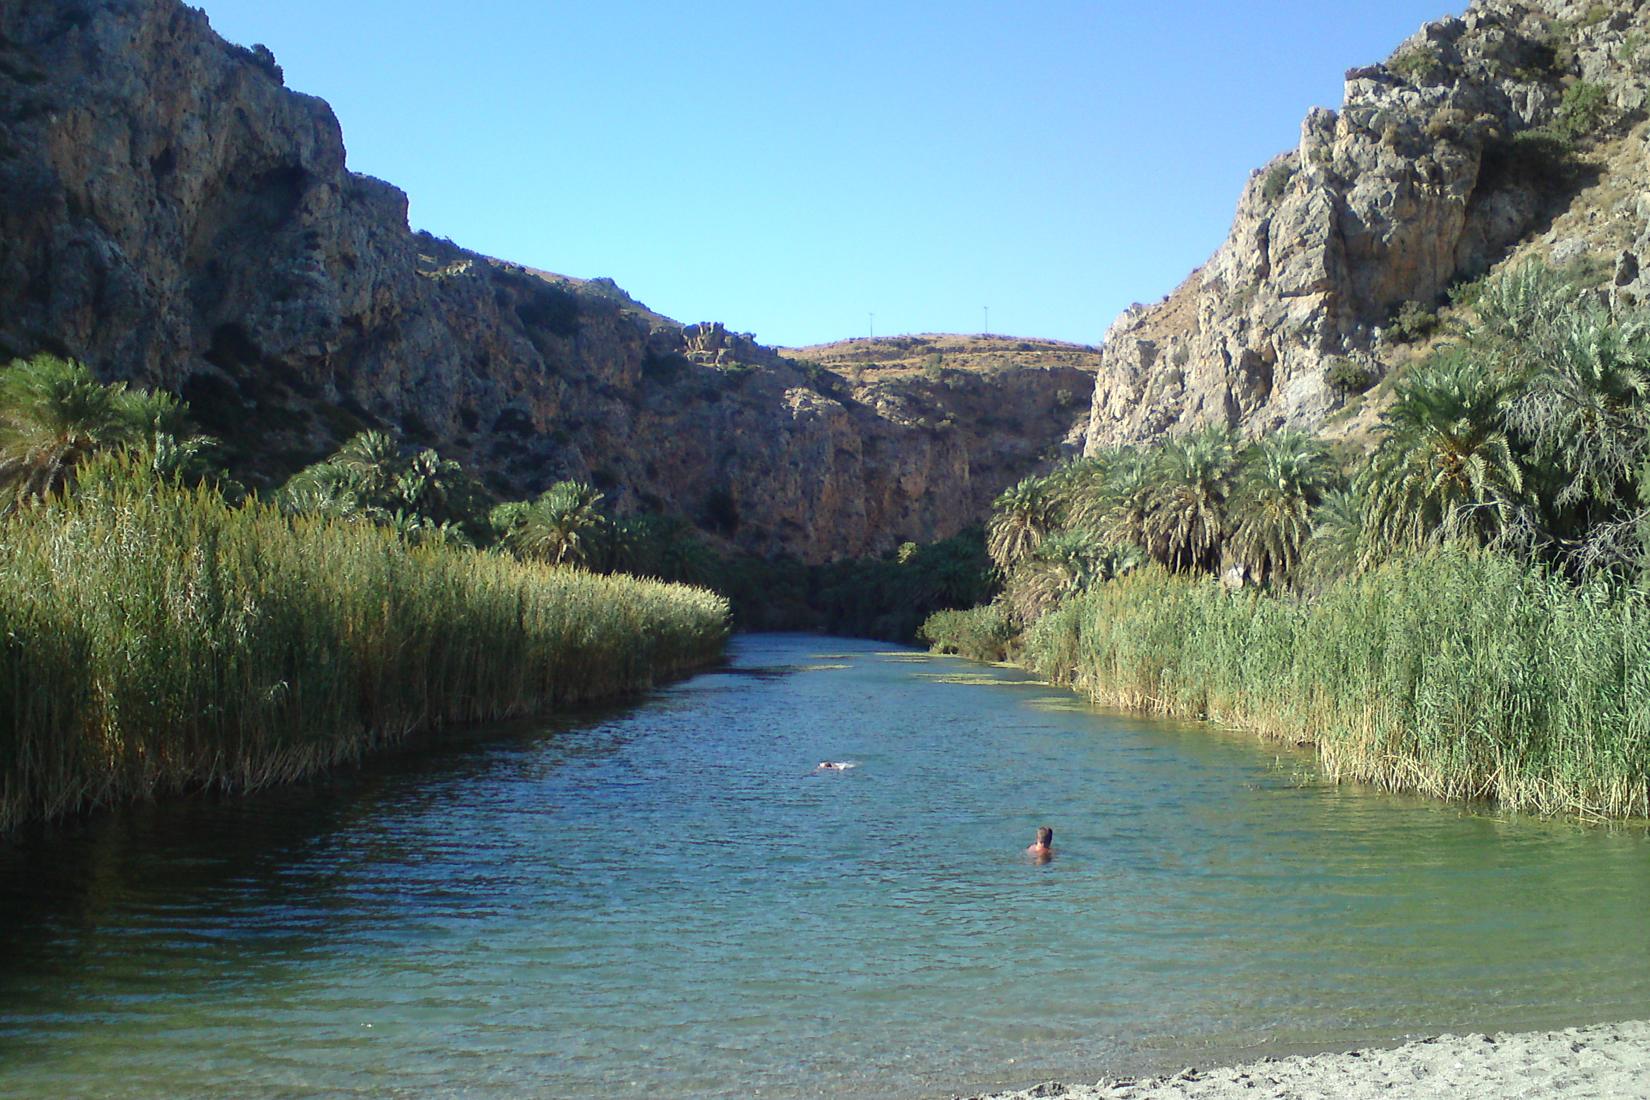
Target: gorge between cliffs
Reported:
[(424, 673)]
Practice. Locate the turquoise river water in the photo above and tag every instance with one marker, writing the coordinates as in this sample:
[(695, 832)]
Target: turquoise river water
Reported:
[(664, 899)]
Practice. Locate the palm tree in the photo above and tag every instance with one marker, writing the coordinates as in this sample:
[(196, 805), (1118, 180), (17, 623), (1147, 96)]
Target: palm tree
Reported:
[(1583, 412), (355, 482), (1284, 477), (368, 464), (682, 555), (420, 530), (53, 416), (437, 488), (155, 412), (1119, 511), (562, 526), (1444, 467), (957, 570), (1065, 564), (172, 458), (1121, 559), (312, 496), (1021, 517), (1083, 487), (504, 518), (1335, 547), (1076, 487), (1517, 313), (1078, 557), (369, 478), (1186, 518)]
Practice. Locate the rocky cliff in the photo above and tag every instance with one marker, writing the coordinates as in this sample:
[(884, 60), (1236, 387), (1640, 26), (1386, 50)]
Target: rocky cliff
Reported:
[(1475, 138), (175, 216), (959, 382)]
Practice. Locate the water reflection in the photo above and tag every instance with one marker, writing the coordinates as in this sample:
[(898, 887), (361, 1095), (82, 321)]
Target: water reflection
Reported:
[(664, 898)]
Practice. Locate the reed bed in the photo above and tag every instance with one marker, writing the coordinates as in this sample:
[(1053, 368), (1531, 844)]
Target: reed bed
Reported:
[(1459, 674), (157, 640)]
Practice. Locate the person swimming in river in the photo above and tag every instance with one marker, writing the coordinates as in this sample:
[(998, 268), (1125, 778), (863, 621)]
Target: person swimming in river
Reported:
[(1042, 849), (834, 765)]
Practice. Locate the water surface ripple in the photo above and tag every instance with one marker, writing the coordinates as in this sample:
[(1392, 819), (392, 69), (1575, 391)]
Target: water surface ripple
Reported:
[(662, 899)]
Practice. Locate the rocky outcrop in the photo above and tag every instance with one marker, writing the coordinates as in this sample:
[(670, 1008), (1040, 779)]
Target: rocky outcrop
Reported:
[(175, 216), (1421, 180)]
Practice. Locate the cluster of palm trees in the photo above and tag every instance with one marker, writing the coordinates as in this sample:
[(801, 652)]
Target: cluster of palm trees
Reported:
[(55, 417), (425, 497), (61, 430), (372, 477), (564, 525), (428, 498), (1200, 502), (1528, 433)]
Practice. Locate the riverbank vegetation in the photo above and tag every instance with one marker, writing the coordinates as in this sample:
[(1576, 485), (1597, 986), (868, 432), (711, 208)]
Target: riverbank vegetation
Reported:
[(427, 498), (160, 634), (164, 628), (1462, 612)]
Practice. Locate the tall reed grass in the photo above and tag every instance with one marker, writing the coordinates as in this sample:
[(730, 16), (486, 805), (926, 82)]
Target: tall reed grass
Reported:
[(1460, 674), (157, 640)]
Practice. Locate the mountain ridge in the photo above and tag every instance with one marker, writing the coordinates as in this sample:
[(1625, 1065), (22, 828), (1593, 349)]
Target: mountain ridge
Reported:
[(179, 218)]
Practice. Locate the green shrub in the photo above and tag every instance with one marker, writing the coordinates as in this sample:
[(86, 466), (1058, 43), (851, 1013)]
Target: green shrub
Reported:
[(1347, 375), (980, 633), (1584, 109), (1558, 45), (817, 377), (1467, 290), (1415, 63), (1412, 321), (1542, 159), (890, 597), (1276, 182), (1450, 124)]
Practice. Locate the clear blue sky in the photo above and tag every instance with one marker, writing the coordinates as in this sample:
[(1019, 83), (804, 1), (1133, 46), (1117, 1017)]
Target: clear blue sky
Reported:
[(791, 168)]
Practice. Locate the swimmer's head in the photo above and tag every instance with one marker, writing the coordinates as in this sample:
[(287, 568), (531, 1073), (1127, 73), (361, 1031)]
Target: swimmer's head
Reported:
[(1045, 837)]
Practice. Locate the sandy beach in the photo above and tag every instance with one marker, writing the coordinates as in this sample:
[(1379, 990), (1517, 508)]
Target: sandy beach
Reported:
[(1605, 1061)]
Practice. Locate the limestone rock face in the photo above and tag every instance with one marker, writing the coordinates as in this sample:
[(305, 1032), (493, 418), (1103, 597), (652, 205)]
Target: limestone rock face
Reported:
[(1415, 183), (173, 215)]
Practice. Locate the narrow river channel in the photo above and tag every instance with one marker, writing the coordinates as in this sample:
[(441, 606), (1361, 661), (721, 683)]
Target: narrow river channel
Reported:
[(665, 899)]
